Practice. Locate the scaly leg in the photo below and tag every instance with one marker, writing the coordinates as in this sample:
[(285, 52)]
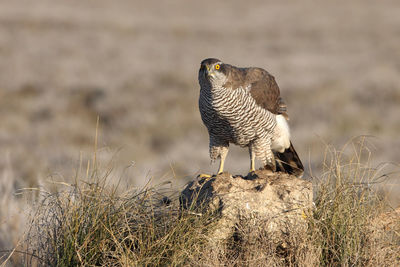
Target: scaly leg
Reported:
[(252, 159), (224, 153)]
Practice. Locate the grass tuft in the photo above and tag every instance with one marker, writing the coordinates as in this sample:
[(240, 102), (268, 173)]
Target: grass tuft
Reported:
[(87, 224), (91, 223), (344, 222)]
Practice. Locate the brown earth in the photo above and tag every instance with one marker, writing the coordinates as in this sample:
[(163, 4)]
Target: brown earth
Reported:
[(274, 202)]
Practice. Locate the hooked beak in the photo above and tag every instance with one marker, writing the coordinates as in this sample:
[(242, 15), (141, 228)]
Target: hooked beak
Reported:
[(209, 71)]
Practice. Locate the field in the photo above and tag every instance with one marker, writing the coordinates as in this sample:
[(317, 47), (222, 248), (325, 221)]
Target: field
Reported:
[(134, 65)]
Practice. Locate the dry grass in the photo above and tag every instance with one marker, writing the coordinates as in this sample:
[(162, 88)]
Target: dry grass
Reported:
[(91, 223), (88, 223), (13, 215), (343, 223)]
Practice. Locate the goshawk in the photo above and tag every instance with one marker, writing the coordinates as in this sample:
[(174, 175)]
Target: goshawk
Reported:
[(243, 106)]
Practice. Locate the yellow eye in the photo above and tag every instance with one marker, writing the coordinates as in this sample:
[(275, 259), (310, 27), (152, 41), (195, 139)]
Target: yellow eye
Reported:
[(217, 67)]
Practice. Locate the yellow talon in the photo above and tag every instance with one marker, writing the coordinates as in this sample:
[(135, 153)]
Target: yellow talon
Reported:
[(203, 175), (303, 214)]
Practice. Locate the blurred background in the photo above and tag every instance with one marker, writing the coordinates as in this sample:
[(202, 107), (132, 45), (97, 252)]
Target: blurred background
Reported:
[(134, 64)]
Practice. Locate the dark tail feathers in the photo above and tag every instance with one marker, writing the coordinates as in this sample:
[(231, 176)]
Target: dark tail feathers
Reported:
[(289, 162)]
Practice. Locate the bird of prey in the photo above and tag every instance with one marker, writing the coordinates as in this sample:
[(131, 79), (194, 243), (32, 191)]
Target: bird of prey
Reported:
[(243, 106)]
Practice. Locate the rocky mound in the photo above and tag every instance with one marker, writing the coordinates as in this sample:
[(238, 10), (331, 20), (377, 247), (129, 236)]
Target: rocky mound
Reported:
[(263, 203)]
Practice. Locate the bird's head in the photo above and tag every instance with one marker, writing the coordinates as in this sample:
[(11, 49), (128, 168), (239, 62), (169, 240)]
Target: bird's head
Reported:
[(213, 71)]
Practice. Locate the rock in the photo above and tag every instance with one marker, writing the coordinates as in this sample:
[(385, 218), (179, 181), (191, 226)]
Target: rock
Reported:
[(274, 204)]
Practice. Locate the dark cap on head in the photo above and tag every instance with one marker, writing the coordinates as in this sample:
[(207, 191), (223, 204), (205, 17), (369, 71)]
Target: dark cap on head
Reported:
[(210, 61)]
